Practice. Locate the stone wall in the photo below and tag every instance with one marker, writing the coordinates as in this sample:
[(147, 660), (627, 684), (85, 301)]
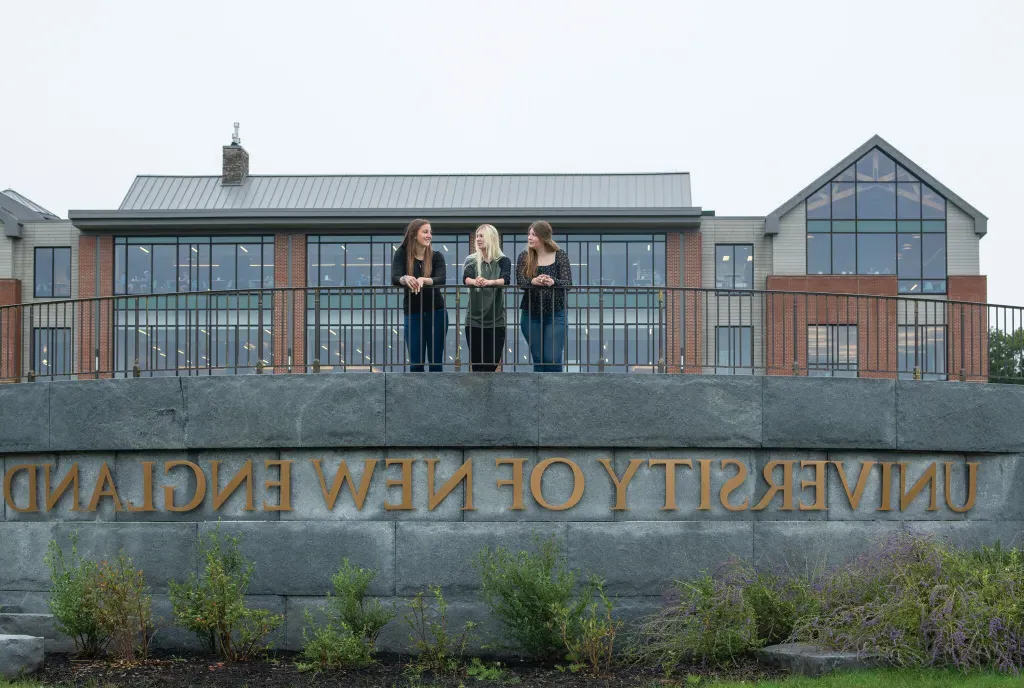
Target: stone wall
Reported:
[(817, 430)]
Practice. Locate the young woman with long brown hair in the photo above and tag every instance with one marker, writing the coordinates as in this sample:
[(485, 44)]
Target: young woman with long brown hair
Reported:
[(543, 270), (418, 268), (485, 272)]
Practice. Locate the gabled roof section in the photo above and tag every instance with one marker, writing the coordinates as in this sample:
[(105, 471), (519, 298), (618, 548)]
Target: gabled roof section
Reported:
[(980, 220), (25, 209), (411, 192)]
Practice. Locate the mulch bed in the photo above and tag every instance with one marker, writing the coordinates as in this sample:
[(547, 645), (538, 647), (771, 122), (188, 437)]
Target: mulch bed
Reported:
[(278, 671)]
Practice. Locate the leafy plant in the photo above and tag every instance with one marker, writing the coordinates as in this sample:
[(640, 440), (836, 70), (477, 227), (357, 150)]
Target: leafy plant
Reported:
[(440, 649), (333, 646), (710, 621), (526, 590), (589, 637), (485, 672), (348, 604), (73, 600), (124, 608), (212, 605)]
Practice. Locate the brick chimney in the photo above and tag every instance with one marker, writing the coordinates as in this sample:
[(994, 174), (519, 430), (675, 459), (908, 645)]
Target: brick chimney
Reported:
[(235, 161)]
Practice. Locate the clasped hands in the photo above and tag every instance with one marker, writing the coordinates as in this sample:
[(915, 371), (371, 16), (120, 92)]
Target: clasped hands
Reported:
[(415, 284), (542, 281)]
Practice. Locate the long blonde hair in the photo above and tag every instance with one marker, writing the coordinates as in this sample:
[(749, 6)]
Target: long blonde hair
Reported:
[(543, 231), (492, 243)]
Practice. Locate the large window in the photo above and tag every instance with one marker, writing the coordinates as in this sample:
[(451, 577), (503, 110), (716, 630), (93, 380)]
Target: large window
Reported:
[(51, 352), (877, 218), (169, 265), (52, 273), (922, 348), (357, 332), (734, 266), (832, 350), (734, 347)]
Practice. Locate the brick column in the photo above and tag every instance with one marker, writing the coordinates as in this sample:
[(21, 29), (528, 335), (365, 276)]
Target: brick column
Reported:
[(968, 327), (85, 319), (106, 307), (280, 329), (10, 331), (673, 300), (299, 303), (693, 304)]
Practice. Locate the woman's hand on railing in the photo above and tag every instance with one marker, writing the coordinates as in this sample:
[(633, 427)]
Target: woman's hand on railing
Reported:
[(542, 281)]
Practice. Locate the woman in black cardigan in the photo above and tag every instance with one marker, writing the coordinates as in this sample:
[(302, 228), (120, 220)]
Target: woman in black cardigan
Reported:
[(426, 318)]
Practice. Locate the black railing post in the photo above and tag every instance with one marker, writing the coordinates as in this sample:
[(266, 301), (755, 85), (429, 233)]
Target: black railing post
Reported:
[(259, 332), (458, 341), (600, 330), (316, 329), (661, 330), (917, 353)]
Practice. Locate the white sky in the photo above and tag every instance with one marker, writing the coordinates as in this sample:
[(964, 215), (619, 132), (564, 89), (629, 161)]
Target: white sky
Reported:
[(754, 99)]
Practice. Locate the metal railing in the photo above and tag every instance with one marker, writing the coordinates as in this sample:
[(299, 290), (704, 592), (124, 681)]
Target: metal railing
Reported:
[(586, 329)]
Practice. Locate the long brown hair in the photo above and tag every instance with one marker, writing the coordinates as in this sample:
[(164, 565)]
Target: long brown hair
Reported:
[(409, 242), (543, 231)]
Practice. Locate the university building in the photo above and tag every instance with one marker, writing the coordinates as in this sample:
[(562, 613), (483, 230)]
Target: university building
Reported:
[(872, 270)]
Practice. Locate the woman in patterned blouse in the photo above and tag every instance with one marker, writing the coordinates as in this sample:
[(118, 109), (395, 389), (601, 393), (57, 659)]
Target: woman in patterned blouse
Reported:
[(544, 272)]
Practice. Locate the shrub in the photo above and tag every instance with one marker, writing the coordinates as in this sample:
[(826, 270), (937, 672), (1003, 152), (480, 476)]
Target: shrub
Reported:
[(711, 622), (440, 650), (124, 608), (212, 605), (333, 646), (589, 637), (777, 601), (348, 604), (526, 590), (73, 601), (918, 602)]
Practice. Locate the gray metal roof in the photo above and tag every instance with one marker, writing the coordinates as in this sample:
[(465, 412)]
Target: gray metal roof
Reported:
[(772, 221), (419, 192), (25, 209)]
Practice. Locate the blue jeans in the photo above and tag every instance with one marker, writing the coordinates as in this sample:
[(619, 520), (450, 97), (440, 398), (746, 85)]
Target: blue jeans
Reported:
[(546, 336), (424, 334)]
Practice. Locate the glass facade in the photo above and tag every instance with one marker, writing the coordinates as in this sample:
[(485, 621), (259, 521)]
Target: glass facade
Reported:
[(51, 352), (877, 218), (623, 329), (169, 322), (832, 350), (922, 347), (734, 350), (734, 266), (52, 273)]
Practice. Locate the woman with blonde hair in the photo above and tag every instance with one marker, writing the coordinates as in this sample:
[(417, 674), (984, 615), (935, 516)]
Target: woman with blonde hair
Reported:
[(544, 272), (419, 268), (485, 272)]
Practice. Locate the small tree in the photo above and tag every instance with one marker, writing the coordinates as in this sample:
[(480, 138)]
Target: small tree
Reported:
[(124, 608), (73, 599), (1006, 356), (213, 605)]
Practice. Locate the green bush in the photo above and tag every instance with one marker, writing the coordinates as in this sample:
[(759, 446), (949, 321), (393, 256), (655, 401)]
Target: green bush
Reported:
[(917, 602), (212, 605), (440, 649), (348, 605), (777, 601), (124, 608), (589, 637), (711, 622), (333, 646), (73, 599), (525, 590)]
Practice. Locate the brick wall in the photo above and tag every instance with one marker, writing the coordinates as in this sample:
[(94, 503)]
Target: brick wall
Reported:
[(693, 314), (968, 328), (281, 303), (299, 303), (85, 340), (673, 263), (10, 330), (788, 315)]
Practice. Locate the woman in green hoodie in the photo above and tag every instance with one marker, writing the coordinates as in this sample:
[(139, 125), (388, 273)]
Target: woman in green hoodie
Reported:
[(485, 272)]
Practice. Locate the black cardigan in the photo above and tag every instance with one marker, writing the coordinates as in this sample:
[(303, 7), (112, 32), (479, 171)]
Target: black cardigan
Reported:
[(429, 299)]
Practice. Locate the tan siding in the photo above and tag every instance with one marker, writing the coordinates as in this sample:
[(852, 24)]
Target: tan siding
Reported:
[(733, 309), (962, 249), (790, 244)]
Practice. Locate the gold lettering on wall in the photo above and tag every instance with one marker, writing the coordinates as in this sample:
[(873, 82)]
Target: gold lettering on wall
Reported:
[(405, 483), (537, 478), (732, 484), (33, 488), (104, 488), (147, 489), (283, 484), (69, 481), (197, 496), (705, 484), (786, 488), (885, 503), (516, 483), (907, 498), (342, 476), (464, 475), (221, 496), (670, 478), (862, 481), (818, 484), (621, 483), (972, 486)]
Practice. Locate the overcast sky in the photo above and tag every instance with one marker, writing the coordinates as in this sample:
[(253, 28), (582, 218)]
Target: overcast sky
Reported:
[(754, 99)]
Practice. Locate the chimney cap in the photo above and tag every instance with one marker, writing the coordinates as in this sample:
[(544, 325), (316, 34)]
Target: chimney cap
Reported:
[(235, 139)]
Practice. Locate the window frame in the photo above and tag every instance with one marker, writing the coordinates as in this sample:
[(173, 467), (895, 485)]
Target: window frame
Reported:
[(753, 262), (49, 336), (53, 271), (832, 364), (901, 176), (739, 368)]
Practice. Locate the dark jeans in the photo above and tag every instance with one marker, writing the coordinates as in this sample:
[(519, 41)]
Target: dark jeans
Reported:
[(486, 345), (546, 336), (424, 334)]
